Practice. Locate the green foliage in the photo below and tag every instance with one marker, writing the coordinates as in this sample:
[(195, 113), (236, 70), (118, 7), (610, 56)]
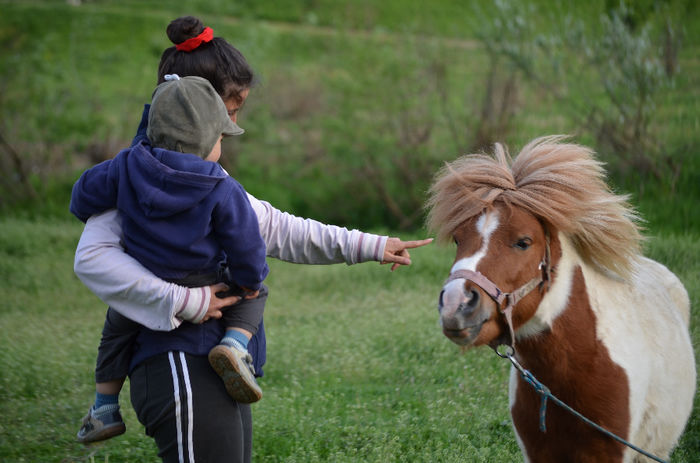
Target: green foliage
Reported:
[(608, 79), (617, 83), (357, 371), (351, 120)]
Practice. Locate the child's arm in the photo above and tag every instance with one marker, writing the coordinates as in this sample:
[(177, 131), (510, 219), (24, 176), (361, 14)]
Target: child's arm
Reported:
[(235, 225), (95, 191)]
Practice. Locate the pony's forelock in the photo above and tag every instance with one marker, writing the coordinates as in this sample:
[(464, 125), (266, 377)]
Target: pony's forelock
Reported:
[(559, 182)]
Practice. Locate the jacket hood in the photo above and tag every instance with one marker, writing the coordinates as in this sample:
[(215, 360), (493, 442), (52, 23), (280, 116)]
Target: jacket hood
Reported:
[(169, 182)]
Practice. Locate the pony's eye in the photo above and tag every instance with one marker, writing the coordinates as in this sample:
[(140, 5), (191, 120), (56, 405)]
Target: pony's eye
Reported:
[(523, 243), (455, 240)]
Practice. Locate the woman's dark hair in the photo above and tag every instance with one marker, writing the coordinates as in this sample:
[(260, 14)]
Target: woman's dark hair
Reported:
[(217, 61)]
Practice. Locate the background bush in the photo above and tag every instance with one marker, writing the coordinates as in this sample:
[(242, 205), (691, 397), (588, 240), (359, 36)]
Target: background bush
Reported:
[(359, 103)]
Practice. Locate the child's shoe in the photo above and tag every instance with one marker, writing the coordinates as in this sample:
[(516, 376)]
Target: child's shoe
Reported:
[(101, 424), (235, 367)]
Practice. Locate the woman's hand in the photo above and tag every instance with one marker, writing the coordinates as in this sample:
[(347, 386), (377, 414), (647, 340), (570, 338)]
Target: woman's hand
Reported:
[(396, 251), (251, 294), (217, 303)]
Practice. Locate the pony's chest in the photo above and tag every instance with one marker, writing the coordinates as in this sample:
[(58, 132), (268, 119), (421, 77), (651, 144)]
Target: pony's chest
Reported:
[(577, 365), (602, 395)]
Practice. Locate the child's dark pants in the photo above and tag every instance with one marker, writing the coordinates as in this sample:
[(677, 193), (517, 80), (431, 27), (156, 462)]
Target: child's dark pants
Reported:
[(119, 333)]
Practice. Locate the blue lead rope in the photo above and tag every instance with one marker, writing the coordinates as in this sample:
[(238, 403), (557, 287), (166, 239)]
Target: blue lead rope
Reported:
[(545, 394)]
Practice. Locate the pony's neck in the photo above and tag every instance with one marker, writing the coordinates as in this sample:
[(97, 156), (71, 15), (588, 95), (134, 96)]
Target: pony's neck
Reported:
[(562, 333), (556, 300), (569, 345)]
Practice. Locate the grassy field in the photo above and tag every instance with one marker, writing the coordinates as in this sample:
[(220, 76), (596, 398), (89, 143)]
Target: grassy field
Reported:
[(358, 370)]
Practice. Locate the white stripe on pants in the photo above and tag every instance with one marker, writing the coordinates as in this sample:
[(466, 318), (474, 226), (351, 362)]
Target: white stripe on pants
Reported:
[(178, 407)]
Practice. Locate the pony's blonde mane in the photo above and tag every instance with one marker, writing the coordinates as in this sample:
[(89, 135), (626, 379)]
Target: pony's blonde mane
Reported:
[(559, 182)]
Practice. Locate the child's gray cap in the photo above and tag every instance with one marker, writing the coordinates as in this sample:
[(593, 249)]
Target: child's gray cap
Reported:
[(187, 115)]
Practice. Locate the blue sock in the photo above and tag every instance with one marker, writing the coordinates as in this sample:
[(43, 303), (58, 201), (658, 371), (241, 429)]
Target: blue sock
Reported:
[(236, 339), (105, 399)]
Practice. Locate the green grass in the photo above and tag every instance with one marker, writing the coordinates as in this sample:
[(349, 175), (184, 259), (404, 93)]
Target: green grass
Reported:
[(358, 370)]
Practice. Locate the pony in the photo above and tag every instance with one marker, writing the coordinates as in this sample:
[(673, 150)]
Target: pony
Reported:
[(548, 263)]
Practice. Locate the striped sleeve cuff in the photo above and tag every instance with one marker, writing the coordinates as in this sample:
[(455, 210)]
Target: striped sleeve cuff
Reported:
[(195, 305), (370, 247)]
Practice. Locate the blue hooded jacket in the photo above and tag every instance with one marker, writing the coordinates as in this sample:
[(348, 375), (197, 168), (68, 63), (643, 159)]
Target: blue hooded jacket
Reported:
[(180, 213)]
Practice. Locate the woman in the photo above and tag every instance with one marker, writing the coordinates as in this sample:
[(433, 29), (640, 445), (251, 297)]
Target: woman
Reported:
[(177, 396)]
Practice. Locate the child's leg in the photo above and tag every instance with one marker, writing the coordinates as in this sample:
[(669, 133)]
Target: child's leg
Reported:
[(237, 335), (107, 393), (243, 319), (230, 358), (113, 387), (113, 358)]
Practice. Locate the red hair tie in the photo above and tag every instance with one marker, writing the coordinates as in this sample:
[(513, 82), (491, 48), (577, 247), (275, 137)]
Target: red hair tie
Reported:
[(190, 44)]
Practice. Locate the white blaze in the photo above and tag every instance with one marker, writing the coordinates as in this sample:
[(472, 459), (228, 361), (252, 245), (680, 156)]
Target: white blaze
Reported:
[(486, 225)]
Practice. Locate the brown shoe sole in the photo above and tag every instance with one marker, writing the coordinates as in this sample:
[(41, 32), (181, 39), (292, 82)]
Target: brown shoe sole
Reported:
[(231, 370), (103, 434)]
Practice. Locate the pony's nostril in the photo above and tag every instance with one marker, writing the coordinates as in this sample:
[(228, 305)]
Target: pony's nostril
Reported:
[(440, 302), (473, 297), (470, 302)]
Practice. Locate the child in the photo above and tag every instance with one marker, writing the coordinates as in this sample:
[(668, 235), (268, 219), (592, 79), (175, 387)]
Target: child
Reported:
[(182, 216)]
